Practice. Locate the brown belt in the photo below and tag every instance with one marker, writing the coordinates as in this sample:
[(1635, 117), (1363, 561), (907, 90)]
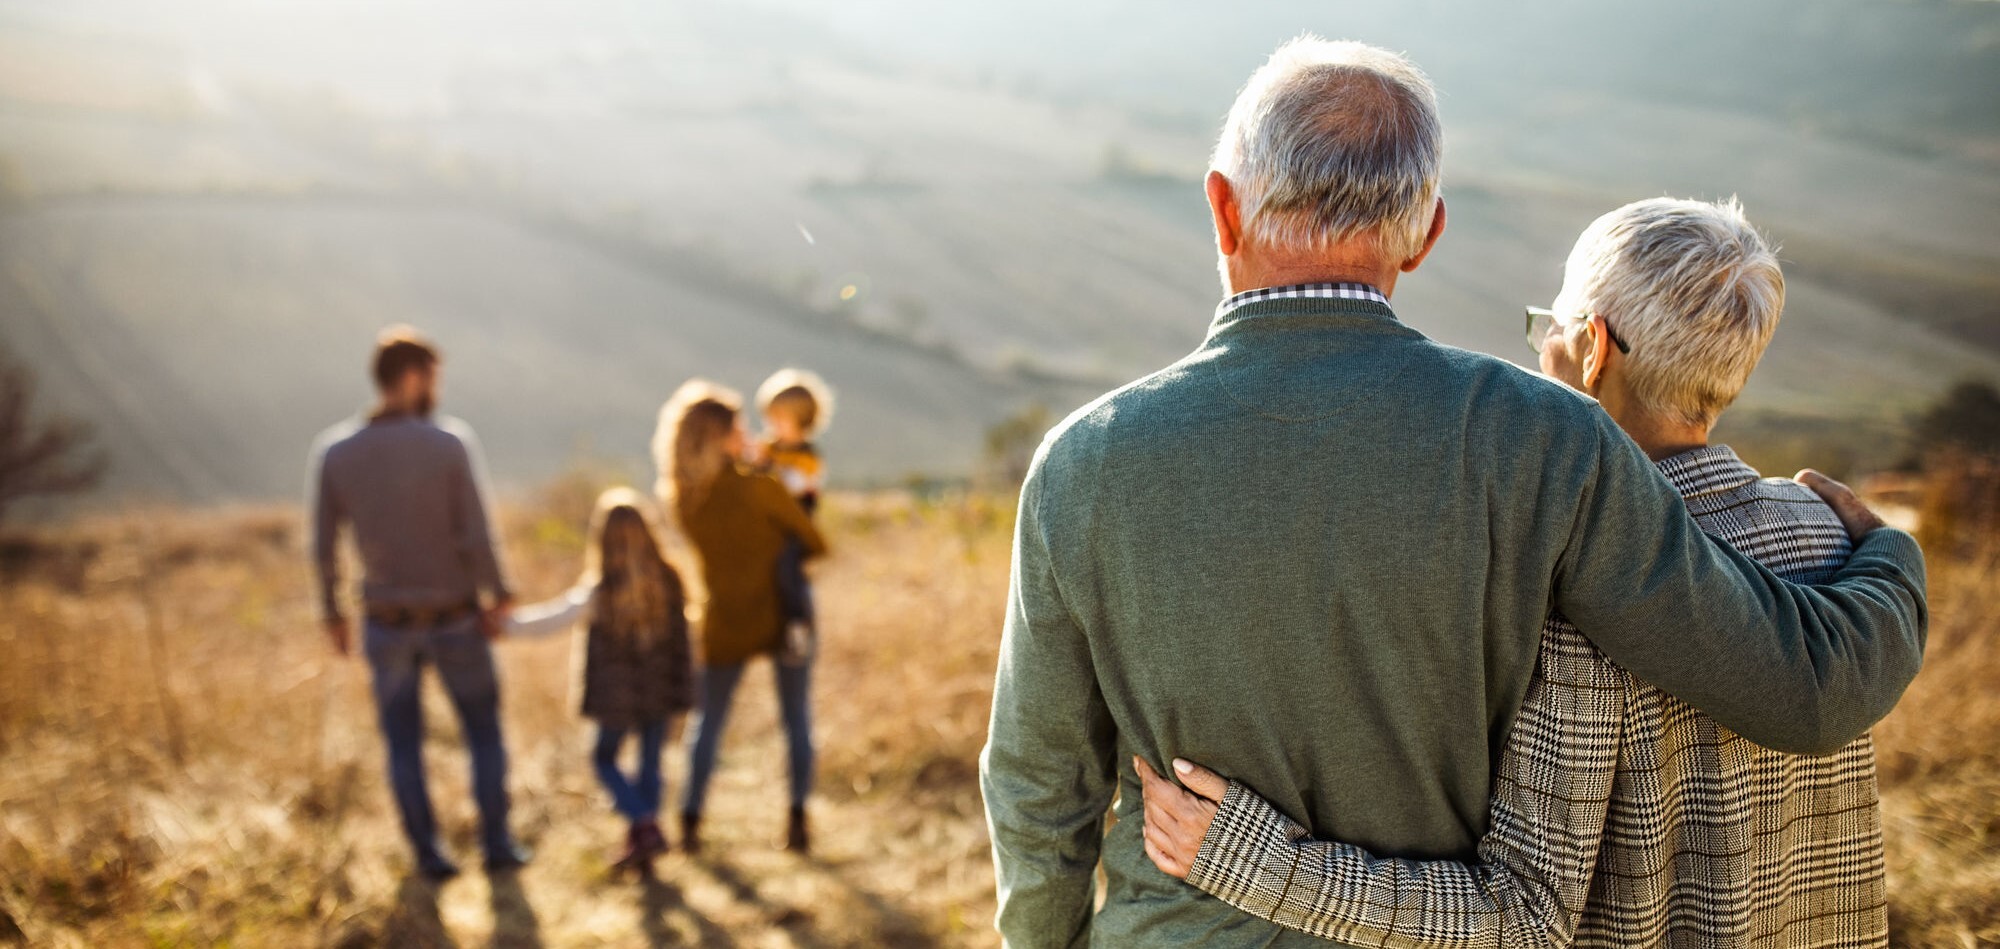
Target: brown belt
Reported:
[(412, 616)]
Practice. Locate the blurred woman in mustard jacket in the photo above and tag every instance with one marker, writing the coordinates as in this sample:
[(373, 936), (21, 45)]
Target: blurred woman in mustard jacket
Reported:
[(738, 521)]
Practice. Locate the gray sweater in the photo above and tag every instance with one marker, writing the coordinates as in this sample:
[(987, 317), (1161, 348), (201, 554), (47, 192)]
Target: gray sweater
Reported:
[(1316, 555), (410, 490)]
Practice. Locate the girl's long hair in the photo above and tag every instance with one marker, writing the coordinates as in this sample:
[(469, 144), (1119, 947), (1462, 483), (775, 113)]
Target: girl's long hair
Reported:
[(636, 591), (691, 444)]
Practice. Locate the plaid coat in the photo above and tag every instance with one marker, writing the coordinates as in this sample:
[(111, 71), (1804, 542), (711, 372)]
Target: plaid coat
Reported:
[(1620, 815), (629, 679)]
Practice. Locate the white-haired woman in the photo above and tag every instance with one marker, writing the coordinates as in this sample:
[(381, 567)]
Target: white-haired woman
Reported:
[(637, 665), (739, 521)]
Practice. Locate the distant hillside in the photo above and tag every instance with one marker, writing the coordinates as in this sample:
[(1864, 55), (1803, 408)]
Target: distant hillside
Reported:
[(206, 211)]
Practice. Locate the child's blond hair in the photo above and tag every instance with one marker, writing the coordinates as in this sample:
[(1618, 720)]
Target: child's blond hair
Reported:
[(800, 393)]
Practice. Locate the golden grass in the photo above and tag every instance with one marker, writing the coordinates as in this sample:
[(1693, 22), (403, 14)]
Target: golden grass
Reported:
[(182, 762), (1939, 751)]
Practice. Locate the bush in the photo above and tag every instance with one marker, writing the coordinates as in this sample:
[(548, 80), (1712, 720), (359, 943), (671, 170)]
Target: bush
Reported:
[(1966, 420)]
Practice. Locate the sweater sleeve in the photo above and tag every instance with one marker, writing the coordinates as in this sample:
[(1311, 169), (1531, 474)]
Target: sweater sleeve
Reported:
[(475, 531), (791, 518), (326, 518), (1047, 772), (1802, 669)]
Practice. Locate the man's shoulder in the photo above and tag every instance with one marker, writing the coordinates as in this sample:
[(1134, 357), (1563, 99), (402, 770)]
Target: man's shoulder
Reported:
[(1090, 429), (1506, 401), (452, 427), (445, 434), (1502, 384), (438, 433), (1511, 410), (337, 433)]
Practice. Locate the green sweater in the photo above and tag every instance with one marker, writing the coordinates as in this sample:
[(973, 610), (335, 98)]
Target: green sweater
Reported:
[(1316, 555)]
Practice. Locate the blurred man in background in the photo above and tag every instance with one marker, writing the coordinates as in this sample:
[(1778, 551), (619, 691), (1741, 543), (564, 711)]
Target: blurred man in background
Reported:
[(1317, 553), (408, 486)]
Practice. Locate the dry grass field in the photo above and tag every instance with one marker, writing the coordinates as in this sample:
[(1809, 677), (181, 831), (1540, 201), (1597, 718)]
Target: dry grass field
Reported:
[(183, 763)]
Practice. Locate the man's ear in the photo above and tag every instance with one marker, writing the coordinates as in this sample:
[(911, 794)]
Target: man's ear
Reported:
[(1430, 238), (1222, 208), (1600, 352)]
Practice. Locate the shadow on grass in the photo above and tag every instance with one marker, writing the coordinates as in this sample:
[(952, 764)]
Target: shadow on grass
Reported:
[(873, 918), (414, 921), (515, 925), (668, 921)]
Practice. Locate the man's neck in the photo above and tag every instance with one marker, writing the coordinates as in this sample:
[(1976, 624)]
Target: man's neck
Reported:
[(394, 410), (1252, 271)]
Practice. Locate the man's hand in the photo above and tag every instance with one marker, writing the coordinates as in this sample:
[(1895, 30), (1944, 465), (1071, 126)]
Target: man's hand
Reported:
[(1854, 515), (1177, 820), (338, 633), (493, 619)]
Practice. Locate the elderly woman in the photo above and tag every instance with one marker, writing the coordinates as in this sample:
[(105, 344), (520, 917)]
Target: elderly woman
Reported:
[(739, 523)]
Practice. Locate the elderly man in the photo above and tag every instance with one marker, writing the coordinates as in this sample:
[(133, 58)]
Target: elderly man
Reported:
[(1704, 838), (1317, 553)]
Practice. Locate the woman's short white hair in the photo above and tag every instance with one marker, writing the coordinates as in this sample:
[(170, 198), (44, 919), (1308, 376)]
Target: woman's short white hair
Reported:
[(1691, 287), (1332, 140)]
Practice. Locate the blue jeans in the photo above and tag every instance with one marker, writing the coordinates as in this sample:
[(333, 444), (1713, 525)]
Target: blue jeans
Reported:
[(636, 799), (718, 691), (464, 661)]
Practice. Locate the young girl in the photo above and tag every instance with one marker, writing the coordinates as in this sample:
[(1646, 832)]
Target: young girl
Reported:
[(637, 667)]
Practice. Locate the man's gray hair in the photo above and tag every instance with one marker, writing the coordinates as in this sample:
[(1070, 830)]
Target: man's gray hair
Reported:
[(1691, 287), (1332, 140)]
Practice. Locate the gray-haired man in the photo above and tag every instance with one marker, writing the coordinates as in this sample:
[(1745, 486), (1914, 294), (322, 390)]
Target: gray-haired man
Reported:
[(1316, 554)]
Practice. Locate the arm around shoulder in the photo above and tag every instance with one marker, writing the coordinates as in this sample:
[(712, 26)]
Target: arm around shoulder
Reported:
[(1801, 669)]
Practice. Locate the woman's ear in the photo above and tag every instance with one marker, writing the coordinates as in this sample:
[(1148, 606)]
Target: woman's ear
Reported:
[(1600, 352)]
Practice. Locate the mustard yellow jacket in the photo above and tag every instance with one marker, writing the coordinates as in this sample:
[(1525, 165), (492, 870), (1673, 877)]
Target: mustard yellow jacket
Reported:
[(739, 528)]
